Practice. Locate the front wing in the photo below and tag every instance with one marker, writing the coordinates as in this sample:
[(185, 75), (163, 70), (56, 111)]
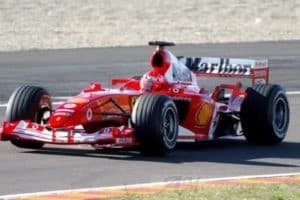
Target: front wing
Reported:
[(122, 136), (29, 131)]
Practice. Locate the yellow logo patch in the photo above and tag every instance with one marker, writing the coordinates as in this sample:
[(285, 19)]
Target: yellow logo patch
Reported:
[(203, 115), (78, 100)]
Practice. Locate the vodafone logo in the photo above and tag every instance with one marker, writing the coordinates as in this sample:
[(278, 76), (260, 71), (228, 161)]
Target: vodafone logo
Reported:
[(89, 114)]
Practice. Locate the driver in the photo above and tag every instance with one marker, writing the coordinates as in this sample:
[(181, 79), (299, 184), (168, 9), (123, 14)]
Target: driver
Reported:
[(152, 81), (167, 70)]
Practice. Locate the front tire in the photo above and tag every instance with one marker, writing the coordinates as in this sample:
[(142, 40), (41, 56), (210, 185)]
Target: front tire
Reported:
[(265, 114), (155, 120), (28, 103)]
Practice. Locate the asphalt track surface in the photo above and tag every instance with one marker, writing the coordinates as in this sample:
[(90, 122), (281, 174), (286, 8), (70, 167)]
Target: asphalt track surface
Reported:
[(65, 72)]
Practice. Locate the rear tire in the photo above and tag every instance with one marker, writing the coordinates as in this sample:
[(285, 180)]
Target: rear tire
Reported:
[(155, 120), (265, 114), (28, 103)]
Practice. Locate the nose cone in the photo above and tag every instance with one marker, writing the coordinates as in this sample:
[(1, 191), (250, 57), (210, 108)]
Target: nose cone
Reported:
[(58, 121)]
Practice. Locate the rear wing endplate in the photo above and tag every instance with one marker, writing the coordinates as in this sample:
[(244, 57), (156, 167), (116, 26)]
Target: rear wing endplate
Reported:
[(257, 70)]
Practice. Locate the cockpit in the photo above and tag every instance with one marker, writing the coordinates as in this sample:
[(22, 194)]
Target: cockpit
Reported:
[(165, 70)]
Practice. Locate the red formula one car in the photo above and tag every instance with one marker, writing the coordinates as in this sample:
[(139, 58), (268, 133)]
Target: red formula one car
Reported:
[(156, 110)]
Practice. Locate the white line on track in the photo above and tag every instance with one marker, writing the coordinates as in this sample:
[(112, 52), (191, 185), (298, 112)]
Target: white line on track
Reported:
[(293, 92), (3, 105), (14, 196), (57, 102)]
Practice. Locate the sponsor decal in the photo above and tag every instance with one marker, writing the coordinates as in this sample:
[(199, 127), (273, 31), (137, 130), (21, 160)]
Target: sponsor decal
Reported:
[(70, 105), (181, 98), (261, 63), (218, 65), (78, 100), (89, 114), (124, 140), (62, 114), (260, 73), (203, 115), (35, 127), (64, 110)]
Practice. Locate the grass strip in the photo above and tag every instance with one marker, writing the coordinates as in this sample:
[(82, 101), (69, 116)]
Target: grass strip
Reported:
[(222, 192)]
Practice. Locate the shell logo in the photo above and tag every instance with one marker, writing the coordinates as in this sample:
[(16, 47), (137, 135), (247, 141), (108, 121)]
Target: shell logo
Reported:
[(203, 115)]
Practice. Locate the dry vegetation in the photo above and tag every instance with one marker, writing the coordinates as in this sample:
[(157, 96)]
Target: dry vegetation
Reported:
[(47, 24)]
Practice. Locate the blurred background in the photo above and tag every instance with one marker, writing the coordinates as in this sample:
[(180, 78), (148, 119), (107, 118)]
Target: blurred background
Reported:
[(55, 24)]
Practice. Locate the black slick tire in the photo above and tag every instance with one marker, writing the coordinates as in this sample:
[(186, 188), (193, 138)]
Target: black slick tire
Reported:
[(265, 114), (27, 103), (155, 120)]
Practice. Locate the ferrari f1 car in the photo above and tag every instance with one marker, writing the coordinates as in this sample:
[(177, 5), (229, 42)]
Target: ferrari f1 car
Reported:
[(156, 110)]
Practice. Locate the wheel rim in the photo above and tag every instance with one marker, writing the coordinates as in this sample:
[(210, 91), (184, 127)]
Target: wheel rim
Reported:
[(280, 117), (45, 117), (44, 112), (169, 126)]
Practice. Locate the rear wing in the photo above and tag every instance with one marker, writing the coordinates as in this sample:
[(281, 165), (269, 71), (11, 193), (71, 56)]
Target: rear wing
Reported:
[(257, 70)]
